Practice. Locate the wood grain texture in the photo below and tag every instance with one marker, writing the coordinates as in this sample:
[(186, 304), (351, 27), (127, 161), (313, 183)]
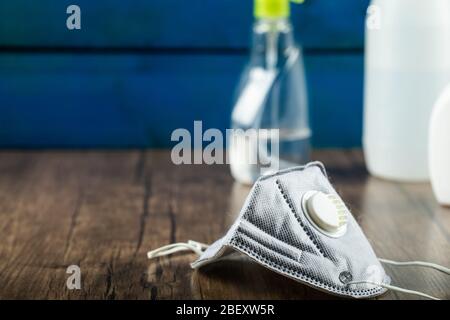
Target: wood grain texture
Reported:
[(104, 210)]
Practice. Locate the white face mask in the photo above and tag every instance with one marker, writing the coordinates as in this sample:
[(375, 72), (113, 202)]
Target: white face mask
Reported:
[(294, 223)]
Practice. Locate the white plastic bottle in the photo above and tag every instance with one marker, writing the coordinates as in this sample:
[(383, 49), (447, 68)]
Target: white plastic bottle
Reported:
[(407, 65), (439, 148)]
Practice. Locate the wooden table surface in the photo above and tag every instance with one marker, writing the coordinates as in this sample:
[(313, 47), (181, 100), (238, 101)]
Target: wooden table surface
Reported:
[(103, 211)]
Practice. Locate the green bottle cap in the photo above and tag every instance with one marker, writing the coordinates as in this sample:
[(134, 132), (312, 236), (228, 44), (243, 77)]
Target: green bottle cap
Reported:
[(273, 9)]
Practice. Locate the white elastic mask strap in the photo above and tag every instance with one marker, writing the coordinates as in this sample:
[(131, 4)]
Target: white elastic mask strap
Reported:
[(398, 289), (417, 264), (194, 246), (405, 264)]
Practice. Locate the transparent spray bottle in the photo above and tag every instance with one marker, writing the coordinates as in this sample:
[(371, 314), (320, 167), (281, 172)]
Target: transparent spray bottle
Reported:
[(270, 116)]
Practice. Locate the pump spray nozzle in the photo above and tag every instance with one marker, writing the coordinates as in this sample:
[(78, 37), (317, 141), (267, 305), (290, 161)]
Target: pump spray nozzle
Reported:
[(273, 9)]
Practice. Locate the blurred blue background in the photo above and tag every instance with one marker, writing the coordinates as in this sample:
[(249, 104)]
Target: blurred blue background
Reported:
[(139, 69)]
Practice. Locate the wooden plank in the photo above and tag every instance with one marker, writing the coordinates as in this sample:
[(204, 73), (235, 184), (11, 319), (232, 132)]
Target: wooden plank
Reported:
[(138, 100), (59, 216), (173, 23), (104, 210)]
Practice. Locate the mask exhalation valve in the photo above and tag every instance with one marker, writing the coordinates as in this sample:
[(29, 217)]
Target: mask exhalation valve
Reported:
[(326, 212)]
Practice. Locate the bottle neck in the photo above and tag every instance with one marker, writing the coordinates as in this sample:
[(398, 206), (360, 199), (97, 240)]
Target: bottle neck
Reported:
[(272, 39)]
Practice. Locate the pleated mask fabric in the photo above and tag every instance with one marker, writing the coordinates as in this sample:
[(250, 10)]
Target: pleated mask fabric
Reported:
[(274, 230)]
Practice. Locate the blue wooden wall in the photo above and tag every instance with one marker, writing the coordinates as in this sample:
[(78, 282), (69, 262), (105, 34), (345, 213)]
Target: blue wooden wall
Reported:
[(139, 69)]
